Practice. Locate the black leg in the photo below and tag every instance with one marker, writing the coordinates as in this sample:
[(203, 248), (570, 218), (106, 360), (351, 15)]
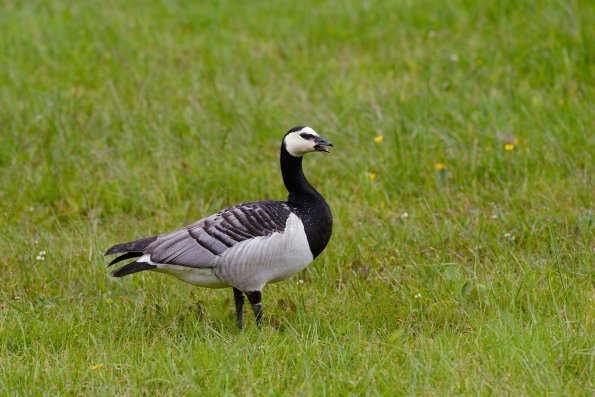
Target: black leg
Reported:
[(238, 297), (255, 298)]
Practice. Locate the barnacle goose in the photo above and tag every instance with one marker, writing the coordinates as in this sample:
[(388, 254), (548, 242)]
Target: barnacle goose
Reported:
[(248, 245)]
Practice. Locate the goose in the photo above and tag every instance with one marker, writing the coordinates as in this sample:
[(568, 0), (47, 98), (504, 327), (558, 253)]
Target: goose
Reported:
[(248, 245)]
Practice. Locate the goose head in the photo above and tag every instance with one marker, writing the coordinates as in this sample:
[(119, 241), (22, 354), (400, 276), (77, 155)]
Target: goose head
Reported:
[(301, 140)]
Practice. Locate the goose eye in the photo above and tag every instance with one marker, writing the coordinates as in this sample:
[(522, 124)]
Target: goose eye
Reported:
[(304, 135)]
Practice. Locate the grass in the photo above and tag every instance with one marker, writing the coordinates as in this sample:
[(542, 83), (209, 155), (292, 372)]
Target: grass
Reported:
[(124, 119)]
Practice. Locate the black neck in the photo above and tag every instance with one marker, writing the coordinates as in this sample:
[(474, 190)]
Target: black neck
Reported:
[(308, 204), (295, 182)]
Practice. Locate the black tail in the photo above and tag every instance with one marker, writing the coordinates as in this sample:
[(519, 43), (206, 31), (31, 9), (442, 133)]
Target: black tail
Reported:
[(133, 267), (125, 256), (132, 246)]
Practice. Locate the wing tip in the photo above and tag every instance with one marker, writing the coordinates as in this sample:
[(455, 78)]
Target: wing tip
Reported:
[(136, 246), (112, 250)]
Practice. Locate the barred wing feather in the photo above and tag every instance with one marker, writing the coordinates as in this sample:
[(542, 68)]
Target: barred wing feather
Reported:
[(199, 244)]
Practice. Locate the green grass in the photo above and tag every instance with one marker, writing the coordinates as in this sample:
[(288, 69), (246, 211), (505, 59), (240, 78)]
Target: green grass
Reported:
[(124, 119)]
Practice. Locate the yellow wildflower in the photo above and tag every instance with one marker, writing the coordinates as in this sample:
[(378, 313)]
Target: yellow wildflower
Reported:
[(379, 138), (508, 147), (561, 102), (372, 176), (440, 166), (96, 366)]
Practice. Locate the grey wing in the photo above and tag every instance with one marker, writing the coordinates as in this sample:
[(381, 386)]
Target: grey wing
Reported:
[(199, 244)]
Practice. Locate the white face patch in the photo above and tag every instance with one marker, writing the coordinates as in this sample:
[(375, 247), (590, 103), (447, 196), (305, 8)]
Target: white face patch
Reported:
[(297, 145)]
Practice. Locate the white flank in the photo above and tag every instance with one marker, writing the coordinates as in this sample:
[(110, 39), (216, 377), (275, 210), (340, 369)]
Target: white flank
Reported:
[(250, 264), (203, 277)]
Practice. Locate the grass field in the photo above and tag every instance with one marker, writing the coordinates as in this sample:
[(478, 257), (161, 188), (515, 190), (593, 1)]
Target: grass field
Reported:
[(462, 255)]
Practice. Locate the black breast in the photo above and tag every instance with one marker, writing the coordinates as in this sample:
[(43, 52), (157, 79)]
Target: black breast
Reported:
[(318, 223)]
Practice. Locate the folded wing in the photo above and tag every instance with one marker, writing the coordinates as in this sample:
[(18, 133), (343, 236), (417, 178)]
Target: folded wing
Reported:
[(199, 244)]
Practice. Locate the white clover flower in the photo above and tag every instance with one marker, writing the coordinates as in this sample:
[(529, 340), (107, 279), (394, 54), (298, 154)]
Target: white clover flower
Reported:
[(509, 236), (417, 296), (404, 215)]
